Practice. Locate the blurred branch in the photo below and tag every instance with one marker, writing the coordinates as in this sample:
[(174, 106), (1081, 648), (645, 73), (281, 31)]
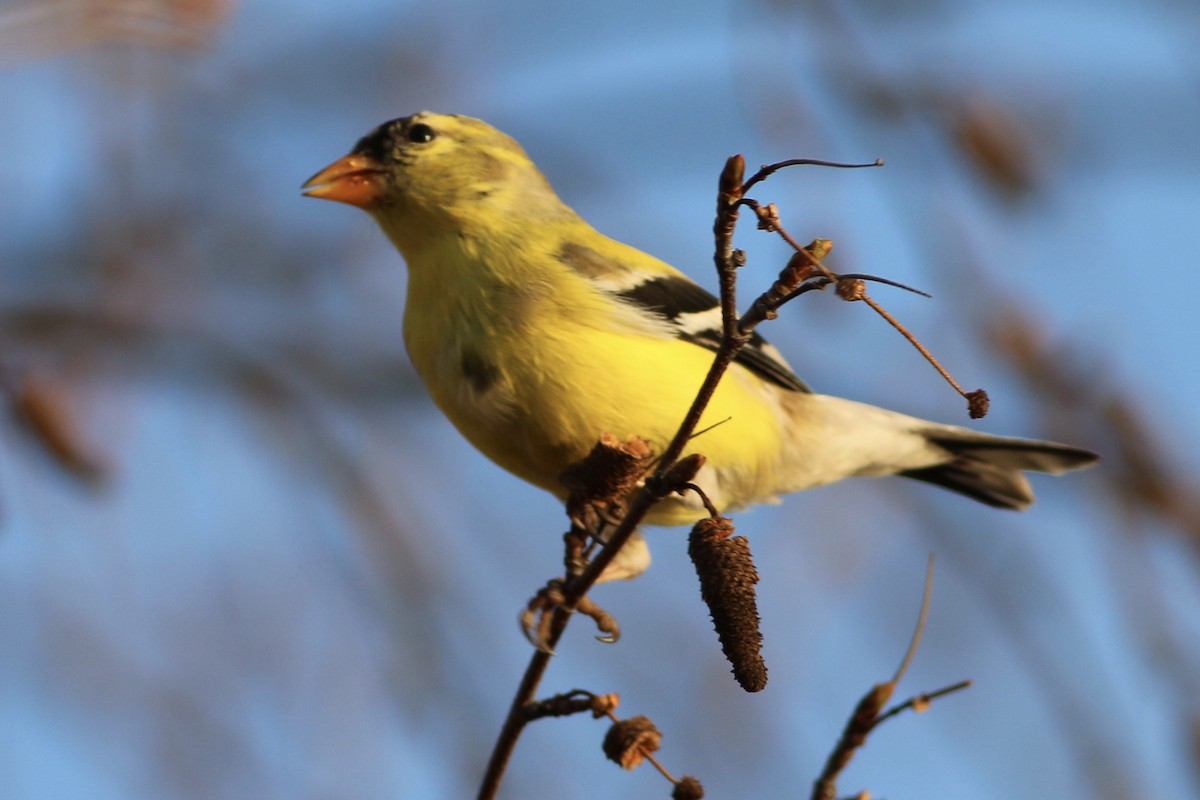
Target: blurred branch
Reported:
[(35, 335), (1138, 471), (45, 28), (44, 406), (1008, 144)]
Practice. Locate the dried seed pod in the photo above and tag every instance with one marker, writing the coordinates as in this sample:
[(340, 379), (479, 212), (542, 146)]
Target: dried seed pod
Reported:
[(606, 475), (727, 579), (629, 741), (687, 788), (977, 403)]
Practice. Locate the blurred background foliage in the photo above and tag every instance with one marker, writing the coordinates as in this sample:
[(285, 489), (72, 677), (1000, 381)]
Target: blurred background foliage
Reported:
[(241, 555)]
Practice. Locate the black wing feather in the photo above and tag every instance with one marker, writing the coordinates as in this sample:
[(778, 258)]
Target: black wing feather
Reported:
[(676, 298)]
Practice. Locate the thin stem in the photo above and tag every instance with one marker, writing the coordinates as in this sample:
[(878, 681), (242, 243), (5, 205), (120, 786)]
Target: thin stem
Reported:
[(895, 323), (769, 169), (922, 618), (921, 700), (516, 720)]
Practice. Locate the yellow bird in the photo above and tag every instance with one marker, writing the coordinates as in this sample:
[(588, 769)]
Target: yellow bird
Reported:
[(535, 334)]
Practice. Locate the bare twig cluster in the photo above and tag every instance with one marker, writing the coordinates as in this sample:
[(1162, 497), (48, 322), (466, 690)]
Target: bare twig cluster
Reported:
[(613, 489)]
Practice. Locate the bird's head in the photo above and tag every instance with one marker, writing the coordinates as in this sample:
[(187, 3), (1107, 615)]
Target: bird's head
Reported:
[(432, 174)]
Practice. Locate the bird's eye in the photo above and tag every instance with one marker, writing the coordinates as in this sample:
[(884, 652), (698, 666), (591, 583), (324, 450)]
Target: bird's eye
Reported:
[(421, 133)]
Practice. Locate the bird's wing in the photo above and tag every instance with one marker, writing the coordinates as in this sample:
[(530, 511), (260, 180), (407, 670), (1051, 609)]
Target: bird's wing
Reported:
[(651, 287)]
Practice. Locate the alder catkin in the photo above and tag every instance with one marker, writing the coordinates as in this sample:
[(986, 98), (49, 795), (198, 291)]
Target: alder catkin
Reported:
[(727, 578)]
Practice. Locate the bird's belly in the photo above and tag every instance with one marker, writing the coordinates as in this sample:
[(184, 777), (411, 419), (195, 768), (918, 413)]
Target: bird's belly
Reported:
[(537, 407)]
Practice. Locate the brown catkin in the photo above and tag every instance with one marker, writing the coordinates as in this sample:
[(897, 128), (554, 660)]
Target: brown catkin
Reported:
[(727, 578)]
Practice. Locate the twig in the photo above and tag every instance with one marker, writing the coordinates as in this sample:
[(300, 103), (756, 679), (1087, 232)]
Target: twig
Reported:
[(921, 702), (849, 287), (575, 701), (922, 618), (869, 713), (767, 170), (977, 401)]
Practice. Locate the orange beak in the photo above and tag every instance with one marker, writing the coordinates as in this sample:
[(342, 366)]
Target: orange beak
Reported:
[(355, 179)]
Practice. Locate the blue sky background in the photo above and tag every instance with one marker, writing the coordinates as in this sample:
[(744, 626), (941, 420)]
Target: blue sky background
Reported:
[(266, 567)]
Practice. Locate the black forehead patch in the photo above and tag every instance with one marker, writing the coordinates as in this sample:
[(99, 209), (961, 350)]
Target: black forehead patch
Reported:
[(380, 144)]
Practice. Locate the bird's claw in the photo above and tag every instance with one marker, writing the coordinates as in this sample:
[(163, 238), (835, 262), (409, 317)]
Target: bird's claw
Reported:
[(537, 618)]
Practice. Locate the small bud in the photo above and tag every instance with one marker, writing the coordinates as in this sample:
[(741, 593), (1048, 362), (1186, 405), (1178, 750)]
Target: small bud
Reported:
[(820, 248), (799, 269), (604, 704), (629, 741), (687, 788), (681, 473), (851, 290), (978, 403), (867, 712), (768, 218), (730, 184), (802, 265)]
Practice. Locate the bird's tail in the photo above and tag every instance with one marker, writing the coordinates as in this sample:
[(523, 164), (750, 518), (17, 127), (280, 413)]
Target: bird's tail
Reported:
[(990, 468), (833, 438)]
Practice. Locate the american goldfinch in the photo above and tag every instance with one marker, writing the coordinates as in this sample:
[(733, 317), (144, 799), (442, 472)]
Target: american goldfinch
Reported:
[(535, 334)]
